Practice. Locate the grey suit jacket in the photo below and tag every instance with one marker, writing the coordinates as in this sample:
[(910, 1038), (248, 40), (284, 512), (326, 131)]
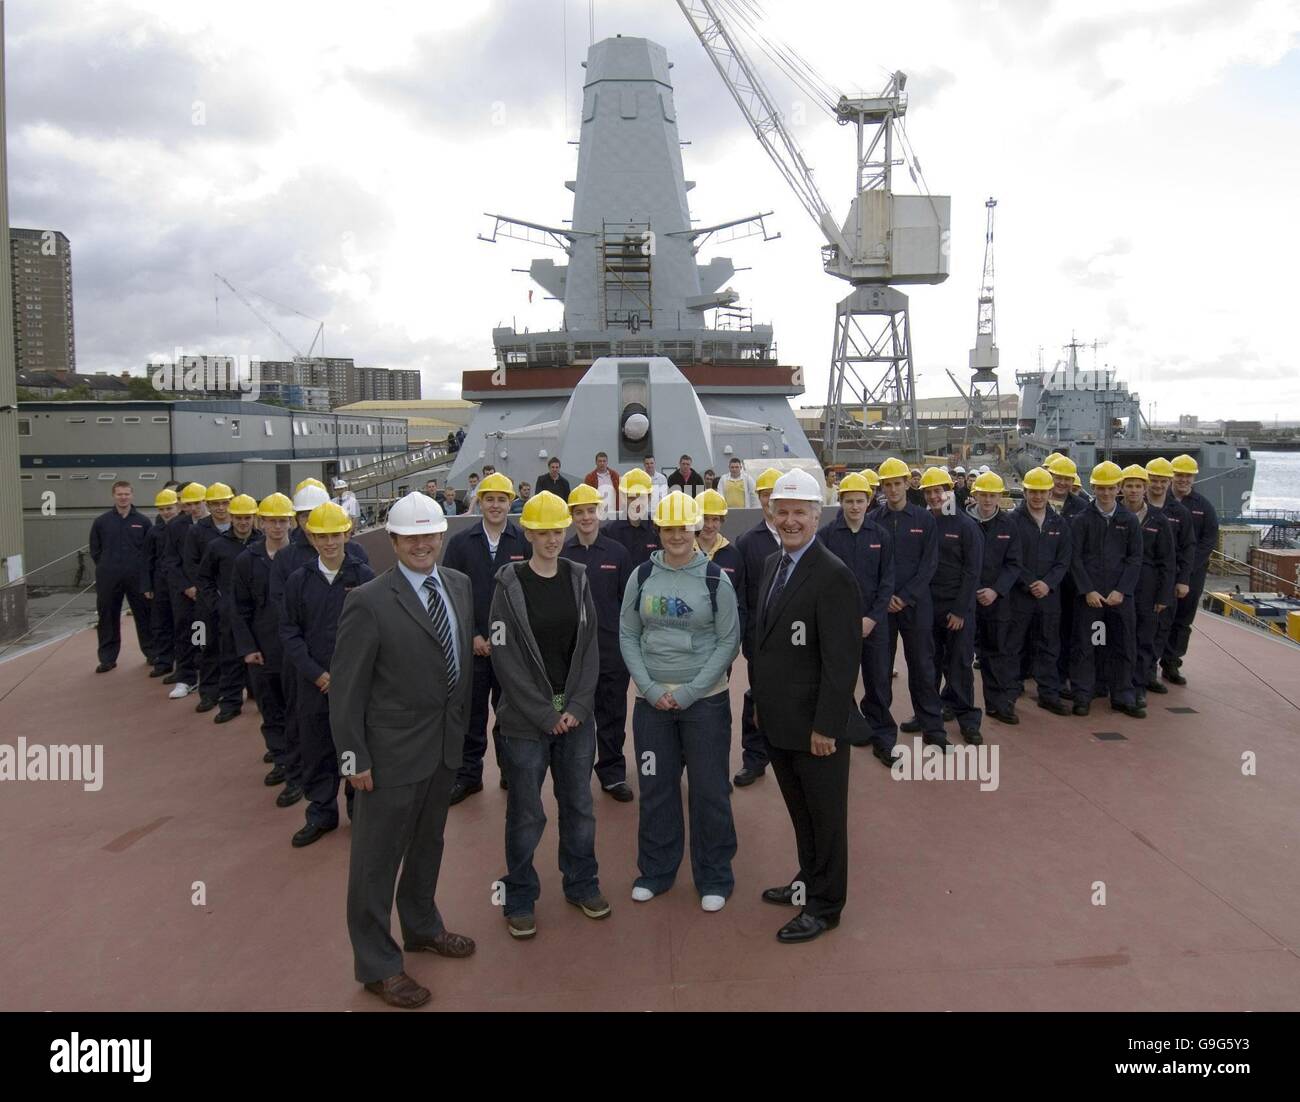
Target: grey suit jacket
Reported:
[(389, 699)]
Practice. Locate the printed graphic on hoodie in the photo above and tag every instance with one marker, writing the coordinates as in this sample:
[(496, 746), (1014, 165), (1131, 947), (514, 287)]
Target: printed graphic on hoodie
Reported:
[(673, 607)]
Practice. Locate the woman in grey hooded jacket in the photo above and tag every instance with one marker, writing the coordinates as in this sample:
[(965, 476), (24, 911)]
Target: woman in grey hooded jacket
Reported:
[(546, 657), (678, 633)]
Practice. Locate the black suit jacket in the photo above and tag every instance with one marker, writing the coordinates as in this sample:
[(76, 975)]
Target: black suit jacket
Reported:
[(389, 701), (807, 649)]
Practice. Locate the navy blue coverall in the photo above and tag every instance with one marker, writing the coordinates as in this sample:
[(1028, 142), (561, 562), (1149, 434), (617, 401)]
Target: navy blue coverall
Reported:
[(1036, 621), (1071, 508), (869, 553), (1107, 556), (1155, 587), (308, 629), (999, 571), (117, 548), (754, 546), (952, 591), (160, 606), (216, 584), (639, 540), (183, 619), (468, 551), (916, 555), (1205, 526), (608, 568), (1184, 530), (202, 533), (256, 624)]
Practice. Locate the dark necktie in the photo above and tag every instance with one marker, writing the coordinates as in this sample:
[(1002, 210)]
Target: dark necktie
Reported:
[(778, 584), (442, 627)]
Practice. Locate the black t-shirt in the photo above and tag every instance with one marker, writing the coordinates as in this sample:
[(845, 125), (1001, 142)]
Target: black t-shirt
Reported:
[(553, 616), (693, 479)]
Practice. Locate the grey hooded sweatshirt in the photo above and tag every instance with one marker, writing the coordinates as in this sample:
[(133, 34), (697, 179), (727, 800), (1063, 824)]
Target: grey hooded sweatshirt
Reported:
[(527, 709)]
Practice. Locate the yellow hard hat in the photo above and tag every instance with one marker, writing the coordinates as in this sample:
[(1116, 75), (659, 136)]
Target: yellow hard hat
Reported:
[(1160, 467), (1134, 470), (854, 484), (894, 468), (545, 512), (873, 479), (328, 518), (495, 483), (243, 505), (1106, 473), (676, 510), (1037, 479), (1049, 460), (163, 498), (1185, 464), (310, 482), (990, 482), (193, 493), (767, 479), (275, 505), (219, 491), (636, 481), (711, 503), (935, 476), (582, 494), (1064, 466), (1078, 481)]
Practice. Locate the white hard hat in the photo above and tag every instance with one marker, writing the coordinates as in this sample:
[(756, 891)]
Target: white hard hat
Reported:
[(796, 485), (959, 469), (415, 515), (306, 499), (340, 484), (984, 469)]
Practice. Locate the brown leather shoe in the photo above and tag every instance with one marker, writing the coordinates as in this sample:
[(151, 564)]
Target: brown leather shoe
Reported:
[(445, 944), (400, 991)]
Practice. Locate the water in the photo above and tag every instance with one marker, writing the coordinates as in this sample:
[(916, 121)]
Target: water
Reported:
[(1277, 480)]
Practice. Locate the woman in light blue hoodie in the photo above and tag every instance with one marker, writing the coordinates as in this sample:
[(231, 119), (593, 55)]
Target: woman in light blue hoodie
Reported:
[(678, 634)]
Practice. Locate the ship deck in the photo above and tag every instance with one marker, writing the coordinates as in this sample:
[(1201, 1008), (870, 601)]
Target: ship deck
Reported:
[(959, 899)]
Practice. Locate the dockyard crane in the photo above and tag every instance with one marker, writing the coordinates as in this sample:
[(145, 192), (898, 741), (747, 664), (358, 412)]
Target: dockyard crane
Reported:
[(985, 397), (320, 325), (886, 239)]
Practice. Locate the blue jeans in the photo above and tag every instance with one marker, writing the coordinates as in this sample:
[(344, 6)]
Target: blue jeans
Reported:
[(524, 762), (700, 736)]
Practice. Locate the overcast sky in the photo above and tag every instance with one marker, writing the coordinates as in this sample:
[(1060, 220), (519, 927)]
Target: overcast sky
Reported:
[(337, 158)]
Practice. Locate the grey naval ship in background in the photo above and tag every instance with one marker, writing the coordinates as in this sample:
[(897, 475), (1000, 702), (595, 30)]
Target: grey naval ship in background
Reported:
[(656, 356)]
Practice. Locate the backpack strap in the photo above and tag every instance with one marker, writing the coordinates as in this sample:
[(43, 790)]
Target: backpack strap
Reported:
[(643, 572)]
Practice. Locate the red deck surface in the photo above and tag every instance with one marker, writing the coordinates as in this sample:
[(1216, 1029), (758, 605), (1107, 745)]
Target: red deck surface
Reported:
[(959, 899)]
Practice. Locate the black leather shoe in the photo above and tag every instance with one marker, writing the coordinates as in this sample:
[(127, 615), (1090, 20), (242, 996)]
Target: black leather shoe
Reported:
[(205, 705), (1173, 676), (312, 832), (972, 736), (1056, 707), (885, 757), (290, 796), (172, 678), (622, 792), (268, 757), (1067, 693), (805, 928), (226, 717), (782, 897), (1134, 710), (746, 777), (1081, 707), (460, 791), (1155, 685), (1007, 716), (948, 716), (104, 667), (276, 776), (160, 671), (942, 743), (910, 726)]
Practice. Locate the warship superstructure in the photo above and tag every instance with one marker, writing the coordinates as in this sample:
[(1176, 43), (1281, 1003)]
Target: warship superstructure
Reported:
[(1090, 415), (655, 355)]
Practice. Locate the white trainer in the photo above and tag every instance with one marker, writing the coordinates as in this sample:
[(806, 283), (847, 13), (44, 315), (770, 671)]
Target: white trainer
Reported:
[(180, 691), (713, 902), (642, 895)]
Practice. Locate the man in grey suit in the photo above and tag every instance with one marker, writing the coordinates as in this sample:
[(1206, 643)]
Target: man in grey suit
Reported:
[(399, 695)]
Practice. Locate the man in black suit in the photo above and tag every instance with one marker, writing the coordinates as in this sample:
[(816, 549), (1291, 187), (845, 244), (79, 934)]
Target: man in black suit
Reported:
[(805, 668), (399, 694)]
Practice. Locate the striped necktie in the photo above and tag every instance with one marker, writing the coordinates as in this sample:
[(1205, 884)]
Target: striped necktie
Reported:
[(778, 584), (442, 627)]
